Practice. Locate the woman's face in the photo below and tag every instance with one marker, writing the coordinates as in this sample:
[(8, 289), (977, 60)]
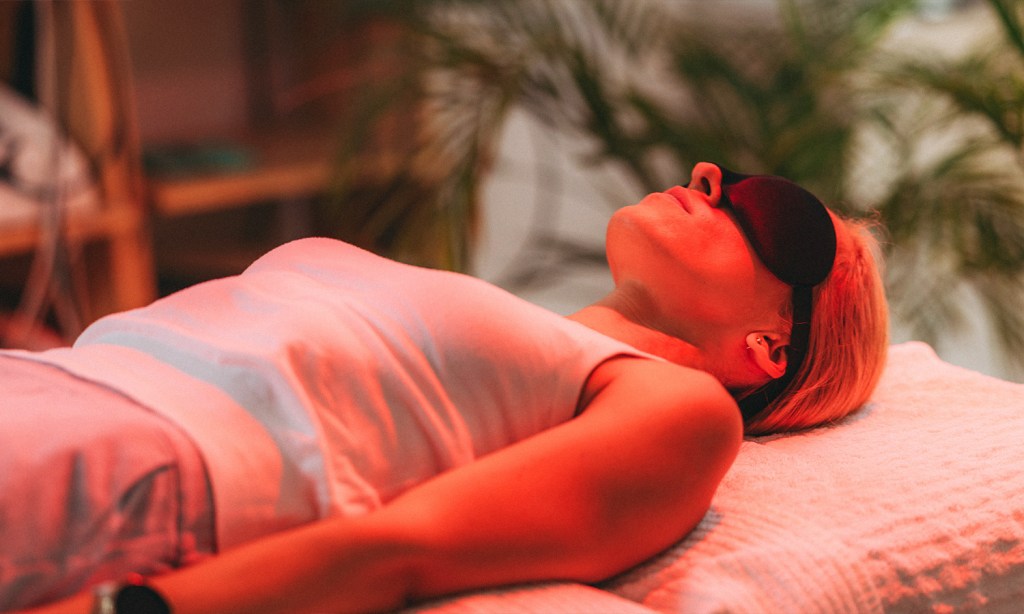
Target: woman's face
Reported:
[(688, 257)]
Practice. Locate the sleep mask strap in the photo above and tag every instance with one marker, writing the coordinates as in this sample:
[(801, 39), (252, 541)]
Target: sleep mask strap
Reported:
[(792, 233)]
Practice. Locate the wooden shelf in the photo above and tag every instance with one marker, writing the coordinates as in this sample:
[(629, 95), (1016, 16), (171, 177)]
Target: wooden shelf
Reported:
[(288, 163), (205, 221)]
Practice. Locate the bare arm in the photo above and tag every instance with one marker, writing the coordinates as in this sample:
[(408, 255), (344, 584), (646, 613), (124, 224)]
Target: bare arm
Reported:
[(584, 500)]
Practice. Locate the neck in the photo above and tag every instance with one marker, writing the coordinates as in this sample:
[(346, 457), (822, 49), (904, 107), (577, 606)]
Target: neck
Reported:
[(626, 319)]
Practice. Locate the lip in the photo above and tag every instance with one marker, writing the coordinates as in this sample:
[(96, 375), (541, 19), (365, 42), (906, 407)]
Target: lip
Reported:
[(679, 193)]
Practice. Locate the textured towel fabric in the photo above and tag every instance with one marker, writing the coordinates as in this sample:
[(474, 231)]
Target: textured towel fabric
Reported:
[(539, 598), (913, 504)]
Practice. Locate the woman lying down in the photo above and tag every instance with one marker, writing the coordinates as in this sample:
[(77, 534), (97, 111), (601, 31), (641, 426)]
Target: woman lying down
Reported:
[(347, 433)]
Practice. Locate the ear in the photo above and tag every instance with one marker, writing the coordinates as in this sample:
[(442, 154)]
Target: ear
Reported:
[(768, 349)]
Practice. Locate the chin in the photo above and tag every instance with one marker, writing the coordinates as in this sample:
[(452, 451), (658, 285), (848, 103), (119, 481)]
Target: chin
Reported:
[(630, 241)]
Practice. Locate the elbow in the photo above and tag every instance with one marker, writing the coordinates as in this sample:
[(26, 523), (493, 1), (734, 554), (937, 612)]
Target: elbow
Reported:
[(717, 430), (658, 509)]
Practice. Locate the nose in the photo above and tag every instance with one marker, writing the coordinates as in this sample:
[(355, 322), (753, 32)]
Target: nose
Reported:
[(707, 178)]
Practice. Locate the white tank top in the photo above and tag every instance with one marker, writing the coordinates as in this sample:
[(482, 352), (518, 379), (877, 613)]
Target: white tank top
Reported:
[(327, 380)]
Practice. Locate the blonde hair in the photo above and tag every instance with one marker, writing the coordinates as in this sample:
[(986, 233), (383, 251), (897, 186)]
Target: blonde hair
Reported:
[(848, 342)]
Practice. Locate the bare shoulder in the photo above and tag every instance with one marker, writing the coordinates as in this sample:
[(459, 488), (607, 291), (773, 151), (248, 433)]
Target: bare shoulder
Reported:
[(663, 391)]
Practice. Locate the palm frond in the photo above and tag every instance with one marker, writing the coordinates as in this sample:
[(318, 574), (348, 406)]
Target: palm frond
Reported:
[(1011, 17), (977, 86)]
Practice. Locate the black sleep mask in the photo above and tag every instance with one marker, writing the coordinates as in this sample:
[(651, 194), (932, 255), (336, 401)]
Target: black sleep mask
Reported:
[(792, 233)]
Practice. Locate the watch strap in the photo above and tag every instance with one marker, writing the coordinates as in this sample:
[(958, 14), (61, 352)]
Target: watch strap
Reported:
[(133, 596)]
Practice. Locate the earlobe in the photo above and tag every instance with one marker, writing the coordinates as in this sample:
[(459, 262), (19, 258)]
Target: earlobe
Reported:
[(769, 352)]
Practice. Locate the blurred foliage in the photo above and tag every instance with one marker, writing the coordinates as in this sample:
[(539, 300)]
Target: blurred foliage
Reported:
[(803, 92), (953, 202)]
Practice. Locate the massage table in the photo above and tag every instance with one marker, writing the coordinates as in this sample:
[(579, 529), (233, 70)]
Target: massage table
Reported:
[(915, 503)]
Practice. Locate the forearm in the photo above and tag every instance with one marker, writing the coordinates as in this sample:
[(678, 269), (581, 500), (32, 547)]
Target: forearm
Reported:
[(337, 565), (340, 565)]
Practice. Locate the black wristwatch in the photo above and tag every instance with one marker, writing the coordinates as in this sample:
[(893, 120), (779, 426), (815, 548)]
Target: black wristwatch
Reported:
[(133, 596)]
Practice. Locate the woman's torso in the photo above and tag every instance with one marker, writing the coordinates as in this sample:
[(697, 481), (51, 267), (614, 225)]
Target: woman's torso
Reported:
[(366, 375)]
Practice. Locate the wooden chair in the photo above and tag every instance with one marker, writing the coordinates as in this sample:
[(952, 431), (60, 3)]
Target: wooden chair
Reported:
[(82, 75)]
